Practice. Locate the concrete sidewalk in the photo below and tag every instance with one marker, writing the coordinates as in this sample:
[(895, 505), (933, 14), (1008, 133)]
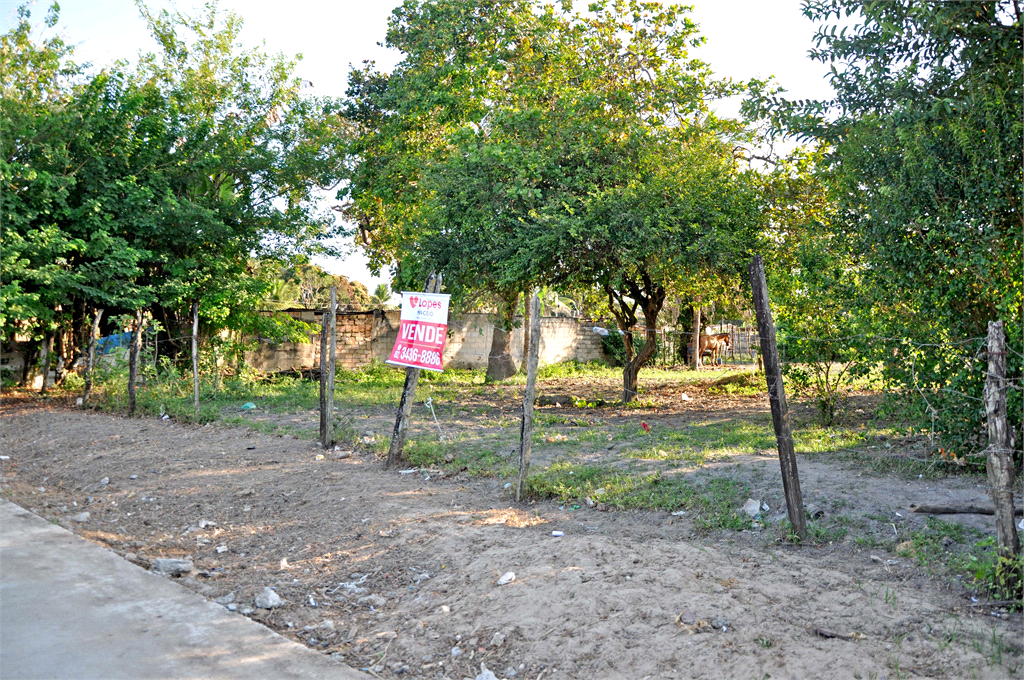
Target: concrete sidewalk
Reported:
[(70, 609)]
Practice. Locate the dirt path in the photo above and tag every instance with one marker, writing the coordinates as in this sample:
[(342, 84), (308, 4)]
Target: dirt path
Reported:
[(405, 566)]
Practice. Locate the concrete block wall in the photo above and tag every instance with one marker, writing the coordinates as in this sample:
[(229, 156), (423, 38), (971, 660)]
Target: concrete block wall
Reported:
[(364, 336)]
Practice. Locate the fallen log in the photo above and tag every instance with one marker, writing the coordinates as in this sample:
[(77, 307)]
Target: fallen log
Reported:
[(958, 510)]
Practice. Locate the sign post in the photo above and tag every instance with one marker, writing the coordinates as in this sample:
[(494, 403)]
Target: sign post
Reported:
[(420, 344)]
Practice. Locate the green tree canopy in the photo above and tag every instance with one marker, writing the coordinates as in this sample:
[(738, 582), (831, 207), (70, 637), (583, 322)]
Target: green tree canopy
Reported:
[(923, 142)]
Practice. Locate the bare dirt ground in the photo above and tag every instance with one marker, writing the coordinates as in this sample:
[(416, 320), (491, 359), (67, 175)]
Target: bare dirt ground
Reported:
[(391, 571)]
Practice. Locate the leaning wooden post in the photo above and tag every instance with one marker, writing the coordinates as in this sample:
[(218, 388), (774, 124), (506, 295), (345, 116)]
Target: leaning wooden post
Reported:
[(412, 377), (328, 346), (777, 398), (91, 362), (195, 359), (998, 461), (529, 395), (133, 361)]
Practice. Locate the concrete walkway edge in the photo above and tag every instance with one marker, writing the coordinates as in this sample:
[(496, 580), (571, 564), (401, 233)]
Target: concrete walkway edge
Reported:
[(72, 610)]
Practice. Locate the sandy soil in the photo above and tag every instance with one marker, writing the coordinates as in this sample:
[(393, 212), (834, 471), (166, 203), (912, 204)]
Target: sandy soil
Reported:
[(405, 566)]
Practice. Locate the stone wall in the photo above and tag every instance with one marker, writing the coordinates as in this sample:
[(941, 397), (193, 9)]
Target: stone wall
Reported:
[(363, 336)]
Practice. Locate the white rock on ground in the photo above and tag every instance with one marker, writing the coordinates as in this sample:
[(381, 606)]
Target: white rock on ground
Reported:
[(486, 674), (81, 518), (172, 567), (372, 600), (268, 599)]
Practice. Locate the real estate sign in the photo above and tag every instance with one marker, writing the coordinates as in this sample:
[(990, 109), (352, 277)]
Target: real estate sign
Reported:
[(423, 330)]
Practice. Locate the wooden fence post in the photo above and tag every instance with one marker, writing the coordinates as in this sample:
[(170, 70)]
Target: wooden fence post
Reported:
[(133, 361), (777, 398), (999, 461), (529, 396), (195, 359), (91, 362), (328, 360), (44, 359), (412, 377), (324, 416)]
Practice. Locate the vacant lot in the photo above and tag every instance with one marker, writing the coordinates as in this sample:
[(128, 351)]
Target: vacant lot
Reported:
[(657, 574)]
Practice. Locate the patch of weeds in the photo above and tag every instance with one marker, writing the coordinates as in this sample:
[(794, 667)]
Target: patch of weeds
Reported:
[(953, 546), (1000, 578), (713, 504), (740, 384), (866, 542), (673, 453), (479, 459), (904, 466), (641, 404), (427, 452), (827, 531), (272, 427), (765, 642)]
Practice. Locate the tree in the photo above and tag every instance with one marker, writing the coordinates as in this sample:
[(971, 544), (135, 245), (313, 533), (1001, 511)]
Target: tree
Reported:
[(60, 249), (151, 186), (923, 145), (381, 296), (518, 145), (623, 177), (463, 60)]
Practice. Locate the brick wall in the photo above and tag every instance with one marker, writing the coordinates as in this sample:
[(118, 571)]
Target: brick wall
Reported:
[(363, 336)]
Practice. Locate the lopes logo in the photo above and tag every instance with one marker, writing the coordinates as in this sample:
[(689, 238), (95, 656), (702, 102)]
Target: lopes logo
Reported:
[(416, 301)]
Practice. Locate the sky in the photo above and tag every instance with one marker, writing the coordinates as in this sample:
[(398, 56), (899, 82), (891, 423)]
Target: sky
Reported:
[(745, 39)]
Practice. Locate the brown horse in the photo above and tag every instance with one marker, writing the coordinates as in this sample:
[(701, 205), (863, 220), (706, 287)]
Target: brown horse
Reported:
[(714, 344)]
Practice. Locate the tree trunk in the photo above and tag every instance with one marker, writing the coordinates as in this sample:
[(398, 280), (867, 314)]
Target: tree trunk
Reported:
[(133, 361), (91, 361), (697, 363), (44, 360), (526, 335), (631, 370), (500, 364)]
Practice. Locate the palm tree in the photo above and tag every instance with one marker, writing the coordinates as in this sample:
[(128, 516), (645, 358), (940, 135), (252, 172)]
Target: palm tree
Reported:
[(381, 296)]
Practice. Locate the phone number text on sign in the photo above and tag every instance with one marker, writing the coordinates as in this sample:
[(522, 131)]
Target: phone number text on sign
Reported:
[(417, 356)]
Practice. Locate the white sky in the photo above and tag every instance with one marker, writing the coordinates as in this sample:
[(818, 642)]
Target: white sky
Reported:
[(745, 39)]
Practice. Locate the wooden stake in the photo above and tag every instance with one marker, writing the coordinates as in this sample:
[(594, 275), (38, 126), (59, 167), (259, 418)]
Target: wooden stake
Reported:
[(777, 398), (998, 461), (698, 361), (527, 325), (529, 396), (412, 377), (324, 347), (92, 355), (195, 359), (44, 359), (330, 335), (133, 361)]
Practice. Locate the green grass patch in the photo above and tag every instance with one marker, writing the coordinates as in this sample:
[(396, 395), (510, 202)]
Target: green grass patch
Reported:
[(959, 549), (739, 384), (713, 504)]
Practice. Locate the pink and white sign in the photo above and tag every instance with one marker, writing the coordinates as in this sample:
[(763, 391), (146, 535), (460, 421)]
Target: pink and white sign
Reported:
[(423, 330)]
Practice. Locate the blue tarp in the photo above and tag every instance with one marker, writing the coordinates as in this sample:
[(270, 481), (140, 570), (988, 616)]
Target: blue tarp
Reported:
[(111, 342)]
